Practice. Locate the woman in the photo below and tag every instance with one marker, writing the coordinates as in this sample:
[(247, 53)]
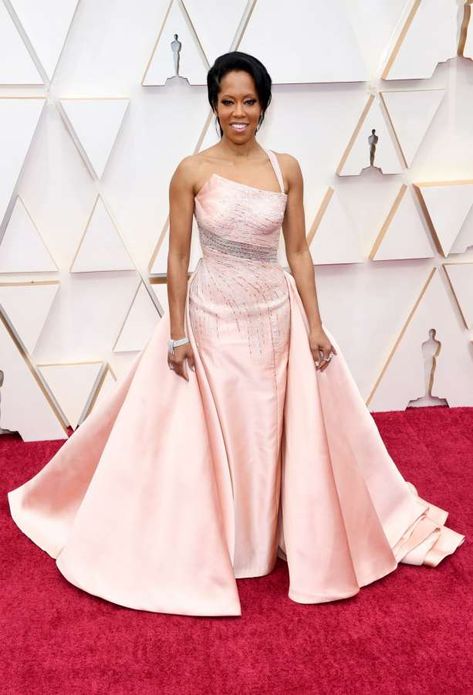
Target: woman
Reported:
[(182, 481)]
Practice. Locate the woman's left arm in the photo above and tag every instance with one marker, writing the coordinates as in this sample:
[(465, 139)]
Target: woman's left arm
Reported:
[(300, 259)]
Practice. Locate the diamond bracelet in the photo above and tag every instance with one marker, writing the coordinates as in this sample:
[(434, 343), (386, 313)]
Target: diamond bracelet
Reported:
[(175, 343)]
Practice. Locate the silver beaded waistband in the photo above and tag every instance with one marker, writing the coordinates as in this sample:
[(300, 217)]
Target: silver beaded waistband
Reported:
[(237, 248)]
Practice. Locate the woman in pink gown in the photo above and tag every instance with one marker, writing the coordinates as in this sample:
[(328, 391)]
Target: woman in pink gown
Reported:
[(184, 480)]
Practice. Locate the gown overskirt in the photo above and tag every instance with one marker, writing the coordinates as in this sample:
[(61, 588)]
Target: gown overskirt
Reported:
[(145, 521), (138, 506)]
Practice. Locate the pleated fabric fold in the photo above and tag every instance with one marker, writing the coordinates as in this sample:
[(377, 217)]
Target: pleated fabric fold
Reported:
[(348, 515), (137, 505)]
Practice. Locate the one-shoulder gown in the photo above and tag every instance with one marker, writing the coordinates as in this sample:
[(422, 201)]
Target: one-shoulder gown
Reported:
[(171, 490)]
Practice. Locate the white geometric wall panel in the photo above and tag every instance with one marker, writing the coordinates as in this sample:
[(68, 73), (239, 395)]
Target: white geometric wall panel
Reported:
[(22, 249), (95, 123), (404, 232), (368, 199), (326, 60), (464, 240), (306, 41), (101, 247), (216, 24), (18, 121), (140, 322), (108, 384), (24, 405), (46, 24), (27, 306), (357, 154), (16, 65), (56, 187), (211, 135), (411, 113), (428, 36), (160, 290), (447, 204), (335, 240), (354, 302), (460, 276), (73, 386), (163, 126), (375, 24), (158, 263), (192, 60), (402, 378), (122, 362), (86, 317)]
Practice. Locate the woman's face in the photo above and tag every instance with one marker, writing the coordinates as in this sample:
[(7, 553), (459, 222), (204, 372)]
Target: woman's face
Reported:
[(238, 103)]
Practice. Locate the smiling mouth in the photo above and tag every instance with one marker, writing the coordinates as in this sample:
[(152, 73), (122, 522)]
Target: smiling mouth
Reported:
[(239, 126)]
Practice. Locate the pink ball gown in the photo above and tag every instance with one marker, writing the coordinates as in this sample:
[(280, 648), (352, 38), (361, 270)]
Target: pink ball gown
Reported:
[(170, 490)]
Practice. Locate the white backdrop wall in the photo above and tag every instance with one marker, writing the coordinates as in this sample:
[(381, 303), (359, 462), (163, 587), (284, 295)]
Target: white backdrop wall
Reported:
[(92, 127)]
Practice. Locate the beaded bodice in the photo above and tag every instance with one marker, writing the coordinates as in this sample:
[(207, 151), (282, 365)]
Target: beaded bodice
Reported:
[(240, 220), (239, 293)]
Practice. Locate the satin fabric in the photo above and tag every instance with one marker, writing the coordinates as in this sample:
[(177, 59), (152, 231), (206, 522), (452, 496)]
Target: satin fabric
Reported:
[(239, 309), (171, 490), (153, 527)]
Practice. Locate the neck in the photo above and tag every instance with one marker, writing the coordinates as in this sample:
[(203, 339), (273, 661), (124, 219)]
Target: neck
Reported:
[(245, 150)]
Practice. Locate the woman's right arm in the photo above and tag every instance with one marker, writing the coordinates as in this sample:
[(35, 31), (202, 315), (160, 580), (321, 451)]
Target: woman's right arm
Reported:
[(181, 209)]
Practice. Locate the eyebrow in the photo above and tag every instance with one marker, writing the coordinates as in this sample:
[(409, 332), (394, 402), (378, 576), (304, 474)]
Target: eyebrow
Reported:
[(231, 97)]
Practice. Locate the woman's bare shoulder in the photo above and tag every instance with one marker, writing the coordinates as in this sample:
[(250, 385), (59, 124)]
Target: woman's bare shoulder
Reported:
[(187, 165), (287, 161), (190, 169), (195, 161), (290, 167)]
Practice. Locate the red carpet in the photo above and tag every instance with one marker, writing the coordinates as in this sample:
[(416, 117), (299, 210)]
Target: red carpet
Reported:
[(407, 633)]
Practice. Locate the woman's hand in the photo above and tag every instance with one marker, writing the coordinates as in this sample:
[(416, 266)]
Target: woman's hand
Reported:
[(321, 348), (177, 361)]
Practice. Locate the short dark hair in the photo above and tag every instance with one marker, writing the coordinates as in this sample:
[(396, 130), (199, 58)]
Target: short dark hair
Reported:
[(237, 60)]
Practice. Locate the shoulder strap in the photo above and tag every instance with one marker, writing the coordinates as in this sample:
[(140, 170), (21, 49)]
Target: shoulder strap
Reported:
[(277, 169)]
